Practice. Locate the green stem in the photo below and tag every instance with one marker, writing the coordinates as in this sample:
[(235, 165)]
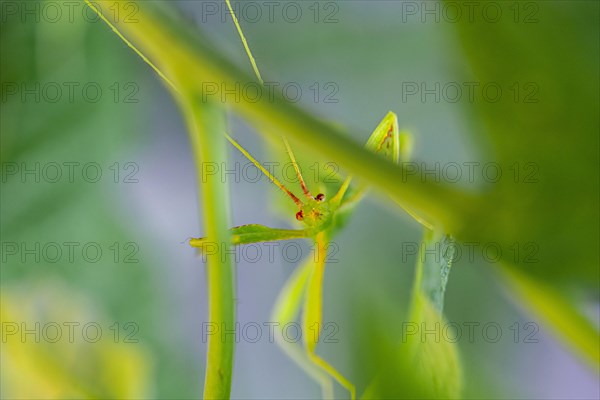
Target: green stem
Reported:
[(205, 124)]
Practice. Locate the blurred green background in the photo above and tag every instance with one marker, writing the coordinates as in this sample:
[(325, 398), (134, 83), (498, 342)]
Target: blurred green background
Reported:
[(146, 290)]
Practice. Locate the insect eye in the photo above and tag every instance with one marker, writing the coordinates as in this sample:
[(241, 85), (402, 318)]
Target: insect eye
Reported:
[(320, 197), (300, 215)]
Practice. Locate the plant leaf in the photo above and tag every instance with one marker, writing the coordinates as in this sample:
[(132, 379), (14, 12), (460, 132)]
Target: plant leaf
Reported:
[(427, 360), (436, 357), (548, 211), (546, 140)]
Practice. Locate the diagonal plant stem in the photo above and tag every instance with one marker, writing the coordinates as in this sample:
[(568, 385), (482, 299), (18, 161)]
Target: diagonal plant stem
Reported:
[(178, 51)]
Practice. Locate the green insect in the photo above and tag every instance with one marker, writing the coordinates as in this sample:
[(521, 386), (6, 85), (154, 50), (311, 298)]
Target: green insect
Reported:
[(321, 217)]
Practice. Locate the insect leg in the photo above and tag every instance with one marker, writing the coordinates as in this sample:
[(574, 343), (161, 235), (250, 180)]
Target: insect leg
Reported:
[(313, 312), (285, 312), (255, 233)]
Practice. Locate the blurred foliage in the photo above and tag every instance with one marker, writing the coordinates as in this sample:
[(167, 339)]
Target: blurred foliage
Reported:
[(47, 359), (557, 131), (39, 55), (559, 213), (431, 365), (557, 134)]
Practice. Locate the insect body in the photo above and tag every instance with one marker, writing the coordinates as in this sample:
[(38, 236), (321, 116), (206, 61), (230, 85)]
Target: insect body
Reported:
[(321, 216)]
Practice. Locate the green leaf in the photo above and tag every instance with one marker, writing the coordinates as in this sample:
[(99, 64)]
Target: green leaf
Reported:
[(549, 132), (436, 269), (551, 212), (436, 358), (425, 357)]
